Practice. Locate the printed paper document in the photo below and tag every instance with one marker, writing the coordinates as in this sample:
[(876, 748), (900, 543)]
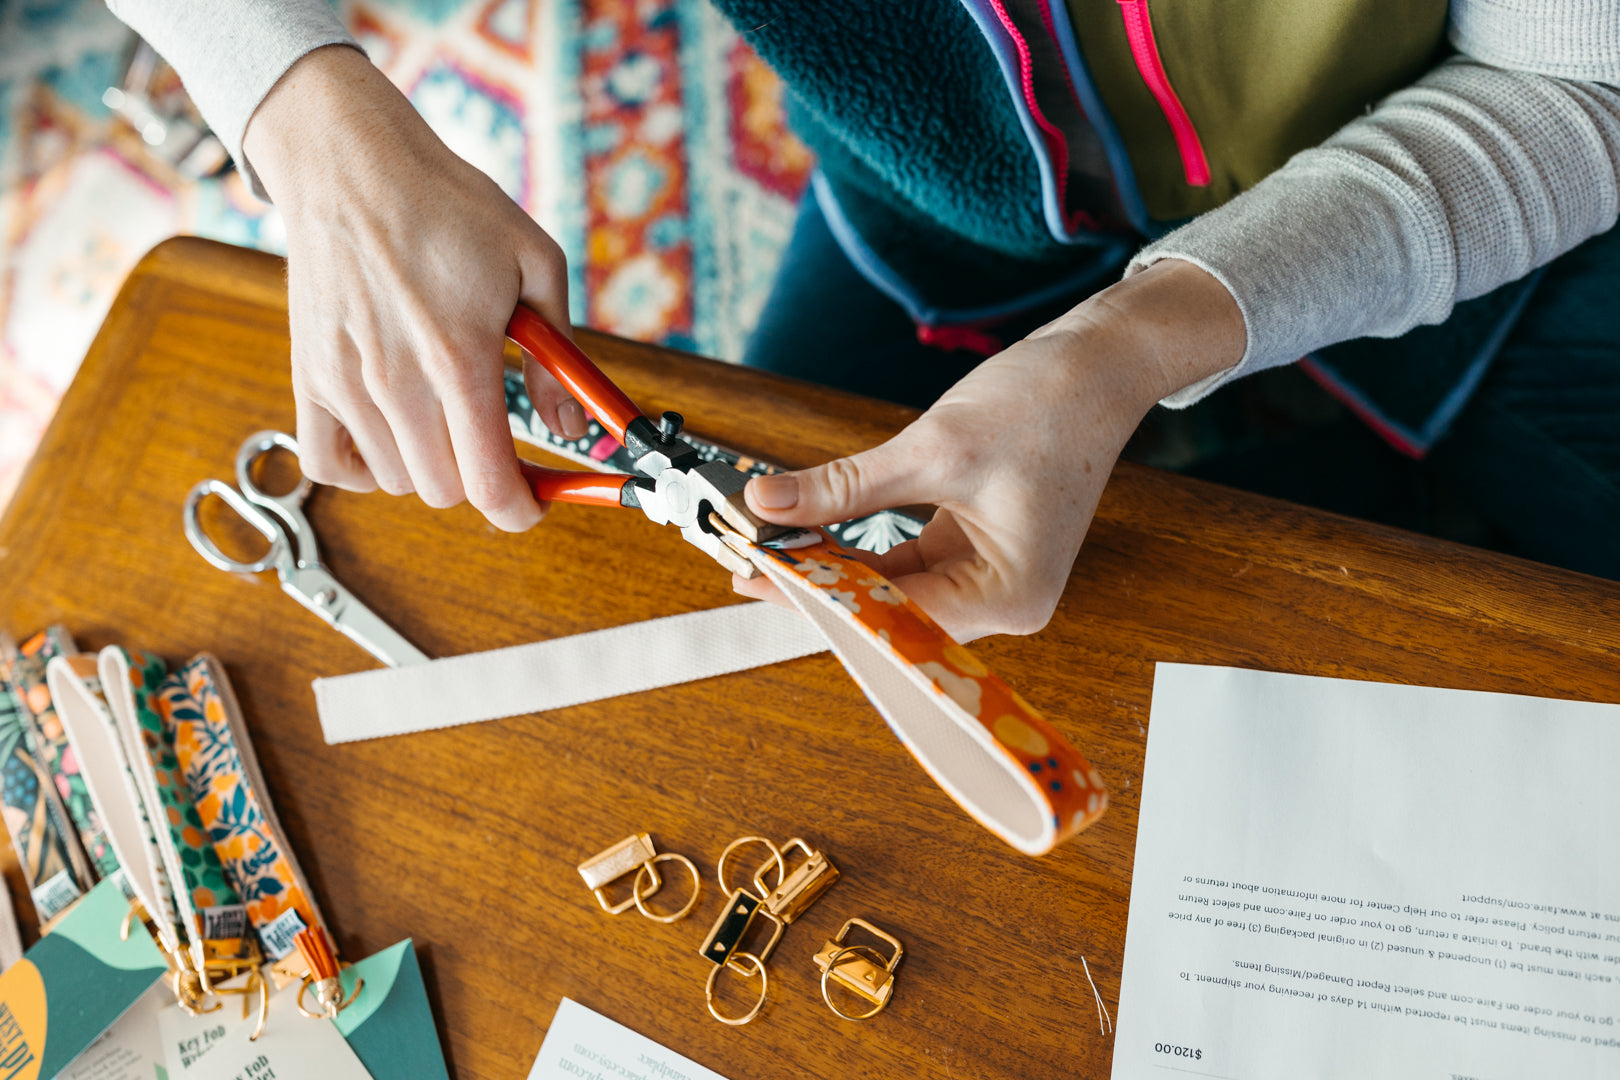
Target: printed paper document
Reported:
[(1355, 879), (584, 1043)]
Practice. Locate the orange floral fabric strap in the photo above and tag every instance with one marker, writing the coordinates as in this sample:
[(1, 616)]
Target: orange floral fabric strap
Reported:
[(222, 776), (991, 750)]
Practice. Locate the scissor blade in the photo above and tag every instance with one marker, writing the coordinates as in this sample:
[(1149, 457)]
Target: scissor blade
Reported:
[(320, 592)]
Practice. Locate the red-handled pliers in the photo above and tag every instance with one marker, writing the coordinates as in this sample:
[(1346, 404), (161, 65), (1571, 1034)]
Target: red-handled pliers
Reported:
[(677, 487)]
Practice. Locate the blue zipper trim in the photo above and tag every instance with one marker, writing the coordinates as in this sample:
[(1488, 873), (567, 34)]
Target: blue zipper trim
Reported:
[(1453, 402), (884, 278), (1445, 413), (1390, 430), (1001, 48), (1130, 196), (1440, 420)]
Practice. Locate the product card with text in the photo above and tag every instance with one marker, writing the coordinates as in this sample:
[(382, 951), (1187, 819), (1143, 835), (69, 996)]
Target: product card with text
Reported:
[(583, 1043), (215, 1045)]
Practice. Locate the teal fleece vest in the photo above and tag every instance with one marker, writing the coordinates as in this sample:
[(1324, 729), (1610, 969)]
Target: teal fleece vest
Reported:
[(928, 166)]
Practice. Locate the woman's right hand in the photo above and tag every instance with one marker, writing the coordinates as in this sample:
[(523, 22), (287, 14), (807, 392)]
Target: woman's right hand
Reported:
[(404, 264)]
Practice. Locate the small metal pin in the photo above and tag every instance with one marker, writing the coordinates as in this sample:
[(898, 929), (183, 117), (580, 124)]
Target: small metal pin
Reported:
[(677, 494), (326, 597)]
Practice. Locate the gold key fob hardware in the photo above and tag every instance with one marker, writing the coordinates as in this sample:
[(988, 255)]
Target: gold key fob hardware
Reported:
[(801, 886), (860, 969), (635, 855)]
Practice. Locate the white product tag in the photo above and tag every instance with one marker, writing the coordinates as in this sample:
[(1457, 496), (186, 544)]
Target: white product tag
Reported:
[(585, 1043), (215, 1046), (224, 923), (54, 896), (277, 937)]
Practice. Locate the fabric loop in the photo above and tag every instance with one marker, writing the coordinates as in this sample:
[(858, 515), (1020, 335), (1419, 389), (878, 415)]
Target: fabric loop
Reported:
[(984, 744), (987, 747)]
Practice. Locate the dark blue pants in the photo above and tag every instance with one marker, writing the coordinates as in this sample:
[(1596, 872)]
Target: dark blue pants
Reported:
[(1531, 466)]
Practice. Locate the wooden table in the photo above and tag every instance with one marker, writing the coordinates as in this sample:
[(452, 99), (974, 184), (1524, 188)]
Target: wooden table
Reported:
[(466, 840)]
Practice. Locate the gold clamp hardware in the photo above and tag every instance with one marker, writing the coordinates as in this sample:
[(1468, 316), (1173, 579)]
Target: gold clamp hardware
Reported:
[(194, 987), (722, 947), (225, 969), (727, 933), (742, 907), (224, 960), (860, 969), (794, 892), (802, 886), (190, 990), (635, 854)]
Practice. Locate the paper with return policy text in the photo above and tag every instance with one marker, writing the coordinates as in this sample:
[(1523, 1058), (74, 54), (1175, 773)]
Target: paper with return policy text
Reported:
[(1353, 879)]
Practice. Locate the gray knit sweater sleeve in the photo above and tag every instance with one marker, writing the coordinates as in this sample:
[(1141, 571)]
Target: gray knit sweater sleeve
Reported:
[(229, 53), (1494, 163)]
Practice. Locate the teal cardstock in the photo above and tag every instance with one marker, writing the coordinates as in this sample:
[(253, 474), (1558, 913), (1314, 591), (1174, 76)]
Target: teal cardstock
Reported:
[(390, 1025)]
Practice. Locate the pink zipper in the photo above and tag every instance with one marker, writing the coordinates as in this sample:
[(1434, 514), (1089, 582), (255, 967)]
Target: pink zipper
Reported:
[(1056, 145), (1139, 29), (966, 337)]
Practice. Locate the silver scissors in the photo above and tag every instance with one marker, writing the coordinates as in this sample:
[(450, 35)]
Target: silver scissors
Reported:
[(293, 554)]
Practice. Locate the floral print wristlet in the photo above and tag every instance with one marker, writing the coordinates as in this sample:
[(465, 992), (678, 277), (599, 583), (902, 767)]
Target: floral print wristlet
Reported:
[(984, 744)]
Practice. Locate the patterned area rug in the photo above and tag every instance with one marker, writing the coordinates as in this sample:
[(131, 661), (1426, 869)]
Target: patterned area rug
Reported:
[(643, 134)]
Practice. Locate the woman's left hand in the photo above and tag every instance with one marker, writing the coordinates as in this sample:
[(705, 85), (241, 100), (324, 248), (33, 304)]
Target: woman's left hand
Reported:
[(1015, 456)]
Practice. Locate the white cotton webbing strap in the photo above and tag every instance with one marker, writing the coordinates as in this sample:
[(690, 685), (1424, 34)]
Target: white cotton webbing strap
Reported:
[(564, 671)]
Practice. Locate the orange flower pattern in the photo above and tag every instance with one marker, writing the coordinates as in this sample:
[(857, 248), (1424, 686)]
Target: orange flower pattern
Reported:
[(231, 816), (158, 697), (1069, 788)]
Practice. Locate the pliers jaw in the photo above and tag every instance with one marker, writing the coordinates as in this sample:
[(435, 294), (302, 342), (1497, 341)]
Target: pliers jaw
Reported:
[(676, 486), (679, 488)]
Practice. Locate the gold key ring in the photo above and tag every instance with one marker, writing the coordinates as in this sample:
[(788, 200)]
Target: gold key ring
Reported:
[(328, 995), (646, 871), (832, 965), (764, 988), (776, 854)]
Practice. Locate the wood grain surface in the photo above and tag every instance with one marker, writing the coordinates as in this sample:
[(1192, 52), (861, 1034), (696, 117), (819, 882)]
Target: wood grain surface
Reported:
[(466, 840)]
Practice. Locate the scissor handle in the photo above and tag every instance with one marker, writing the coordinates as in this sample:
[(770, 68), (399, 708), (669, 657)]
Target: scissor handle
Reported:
[(255, 516), (578, 374), (253, 448), (564, 485)]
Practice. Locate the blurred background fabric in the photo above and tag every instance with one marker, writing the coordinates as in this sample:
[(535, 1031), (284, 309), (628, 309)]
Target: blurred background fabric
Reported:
[(643, 134)]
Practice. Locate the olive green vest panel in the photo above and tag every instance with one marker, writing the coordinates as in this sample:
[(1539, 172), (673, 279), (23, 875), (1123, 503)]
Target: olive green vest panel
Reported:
[(1261, 80)]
